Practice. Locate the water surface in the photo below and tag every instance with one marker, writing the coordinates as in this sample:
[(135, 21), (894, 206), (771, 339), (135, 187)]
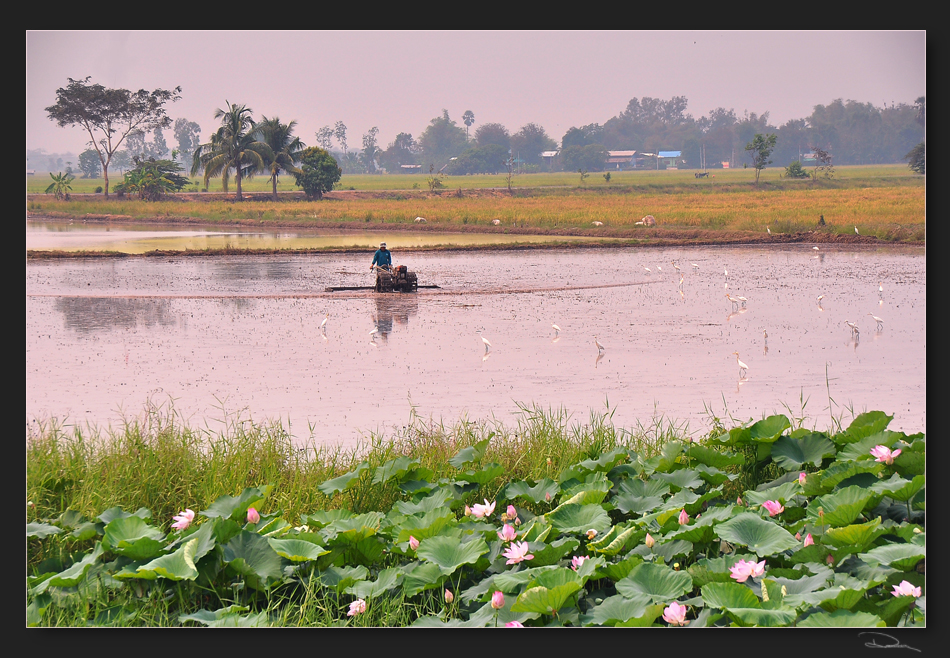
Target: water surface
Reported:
[(227, 335)]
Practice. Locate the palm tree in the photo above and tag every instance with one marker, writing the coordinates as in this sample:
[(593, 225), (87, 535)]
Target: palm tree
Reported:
[(283, 149), (233, 146)]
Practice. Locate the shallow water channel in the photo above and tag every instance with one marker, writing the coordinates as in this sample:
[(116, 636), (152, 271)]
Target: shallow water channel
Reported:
[(232, 337)]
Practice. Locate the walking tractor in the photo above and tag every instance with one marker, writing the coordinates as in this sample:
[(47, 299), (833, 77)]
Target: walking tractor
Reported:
[(395, 279)]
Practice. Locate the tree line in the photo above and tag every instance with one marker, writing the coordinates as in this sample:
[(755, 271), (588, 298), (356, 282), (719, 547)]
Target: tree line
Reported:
[(118, 120)]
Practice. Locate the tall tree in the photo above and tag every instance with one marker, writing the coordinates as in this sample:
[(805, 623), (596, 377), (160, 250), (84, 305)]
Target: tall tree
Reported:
[(402, 151), (370, 149), (187, 135), (468, 119), (492, 133), (442, 140), (109, 115), (233, 146), (89, 164), (760, 150), (325, 138), (283, 149), (530, 141), (339, 131)]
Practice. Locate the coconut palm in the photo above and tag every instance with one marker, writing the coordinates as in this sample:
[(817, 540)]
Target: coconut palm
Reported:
[(283, 149), (233, 146)]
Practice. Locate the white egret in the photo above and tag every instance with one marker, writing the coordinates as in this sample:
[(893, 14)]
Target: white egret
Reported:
[(880, 288), (324, 323), (820, 297), (742, 366), (557, 329), (600, 348), (856, 231), (725, 271), (815, 248), (675, 266), (484, 340), (695, 266), (879, 321), (735, 302), (659, 268), (854, 327), (742, 299), (768, 230), (646, 268)]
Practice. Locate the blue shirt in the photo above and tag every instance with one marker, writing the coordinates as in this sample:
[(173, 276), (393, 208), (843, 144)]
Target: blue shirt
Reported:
[(383, 257)]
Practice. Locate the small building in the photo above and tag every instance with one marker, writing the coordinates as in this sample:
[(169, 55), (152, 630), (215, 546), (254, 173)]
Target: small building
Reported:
[(670, 158), (621, 160), (410, 168)]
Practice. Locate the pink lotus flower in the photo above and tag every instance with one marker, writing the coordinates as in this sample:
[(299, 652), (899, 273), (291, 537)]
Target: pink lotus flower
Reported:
[(591, 533), (577, 561), (675, 614), (481, 511), (514, 624), (905, 589), (884, 454), (649, 541), (739, 500), (497, 600), (517, 552), (743, 569), (507, 533), (183, 519), (774, 507), (449, 597), (808, 540), (413, 542), (252, 515), (684, 517), (512, 512), (798, 536), (830, 559), (801, 479), (547, 496), (358, 607)]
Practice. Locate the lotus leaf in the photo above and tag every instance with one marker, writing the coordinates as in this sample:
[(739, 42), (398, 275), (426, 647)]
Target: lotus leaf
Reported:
[(395, 468), (792, 454), (536, 493), (179, 565), (864, 425), (578, 518), (344, 482), (902, 557), (471, 454), (760, 536), (729, 595), (659, 583), (296, 550), (840, 508), (450, 553), (231, 507), (41, 530), (841, 619), (388, 579), (617, 609)]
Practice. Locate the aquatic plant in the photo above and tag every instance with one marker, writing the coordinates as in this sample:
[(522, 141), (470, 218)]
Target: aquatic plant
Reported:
[(616, 538)]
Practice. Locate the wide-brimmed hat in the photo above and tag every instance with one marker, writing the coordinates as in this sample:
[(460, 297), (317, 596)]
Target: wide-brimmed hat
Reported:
[(382, 245)]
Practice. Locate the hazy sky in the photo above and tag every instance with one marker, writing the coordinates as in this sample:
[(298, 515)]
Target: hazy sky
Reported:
[(398, 81)]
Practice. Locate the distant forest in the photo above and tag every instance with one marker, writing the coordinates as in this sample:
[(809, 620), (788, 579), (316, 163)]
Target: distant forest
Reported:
[(850, 132)]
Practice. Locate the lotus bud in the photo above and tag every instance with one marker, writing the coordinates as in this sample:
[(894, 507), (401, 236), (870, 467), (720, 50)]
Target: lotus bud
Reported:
[(468, 511), (801, 479), (252, 515), (497, 600), (808, 540), (798, 536), (413, 542), (684, 517), (547, 496), (739, 500), (649, 541), (449, 597), (830, 559), (512, 512)]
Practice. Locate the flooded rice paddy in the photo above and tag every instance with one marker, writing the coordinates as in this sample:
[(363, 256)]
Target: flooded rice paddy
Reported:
[(228, 336)]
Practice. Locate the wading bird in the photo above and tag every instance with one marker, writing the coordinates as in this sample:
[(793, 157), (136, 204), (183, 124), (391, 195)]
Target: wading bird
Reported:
[(484, 340), (675, 266), (742, 299), (768, 230), (879, 321), (854, 327), (742, 367), (735, 302), (695, 266), (324, 323), (600, 348), (856, 231), (557, 329)]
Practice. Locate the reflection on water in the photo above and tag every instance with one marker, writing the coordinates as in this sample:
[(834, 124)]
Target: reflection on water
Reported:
[(139, 239), (89, 314)]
